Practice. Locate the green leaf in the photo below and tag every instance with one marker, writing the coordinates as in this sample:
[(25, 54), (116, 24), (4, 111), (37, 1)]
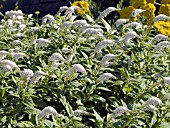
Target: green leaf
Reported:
[(66, 105), (85, 56), (3, 92), (51, 124), (24, 124), (103, 88), (167, 114), (98, 120), (164, 125), (153, 120)]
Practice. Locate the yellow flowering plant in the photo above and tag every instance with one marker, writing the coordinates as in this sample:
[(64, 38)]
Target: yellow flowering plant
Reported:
[(151, 1), (126, 12), (164, 9), (83, 5), (165, 2), (138, 3), (162, 27), (150, 10)]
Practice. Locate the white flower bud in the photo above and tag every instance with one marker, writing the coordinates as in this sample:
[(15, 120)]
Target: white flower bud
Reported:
[(80, 112), (91, 31), (150, 108), (19, 17), (34, 29), (65, 25), (130, 35), (9, 23), (153, 101), (120, 110), (9, 62), (26, 75), (121, 22), (106, 58), (166, 80), (162, 45), (160, 17), (56, 64), (17, 55), (19, 35), (16, 42), (75, 68), (47, 111), (62, 8), (134, 25), (103, 44), (79, 23), (70, 11), (37, 75), (5, 68), (106, 76), (49, 18), (79, 68), (160, 37), (137, 12), (21, 27), (107, 11), (3, 54), (66, 50), (42, 42), (55, 57)]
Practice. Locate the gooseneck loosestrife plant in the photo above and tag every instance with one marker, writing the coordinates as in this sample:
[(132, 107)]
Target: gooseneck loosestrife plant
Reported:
[(83, 73)]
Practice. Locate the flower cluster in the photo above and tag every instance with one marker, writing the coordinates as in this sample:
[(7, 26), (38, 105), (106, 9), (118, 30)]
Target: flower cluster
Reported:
[(126, 12), (138, 4), (164, 9), (120, 110), (163, 27), (47, 111), (150, 104), (84, 7), (105, 76), (165, 2)]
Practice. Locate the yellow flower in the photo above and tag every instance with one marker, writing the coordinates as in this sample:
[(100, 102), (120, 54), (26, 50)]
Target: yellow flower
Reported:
[(1, 6), (151, 1), (165, 2), (162, 27), (164, 9), (150, 9), (138, 3), (83, 5), (126, 12)]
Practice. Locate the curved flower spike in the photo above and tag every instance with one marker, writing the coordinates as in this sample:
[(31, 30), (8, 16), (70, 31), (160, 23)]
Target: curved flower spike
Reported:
[(107, 11), (136, 12), (160, 17), (47, 111)]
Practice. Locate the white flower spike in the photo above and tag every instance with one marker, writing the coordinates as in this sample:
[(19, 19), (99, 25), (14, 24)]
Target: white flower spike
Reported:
[(120, 110), (160, 17), (47, 111), (105, 76), (107, 11), (153, 101), (102, 45), (137, 12)]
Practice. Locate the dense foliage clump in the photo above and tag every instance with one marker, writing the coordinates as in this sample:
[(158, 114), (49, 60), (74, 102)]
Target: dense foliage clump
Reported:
[(76, 71)]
